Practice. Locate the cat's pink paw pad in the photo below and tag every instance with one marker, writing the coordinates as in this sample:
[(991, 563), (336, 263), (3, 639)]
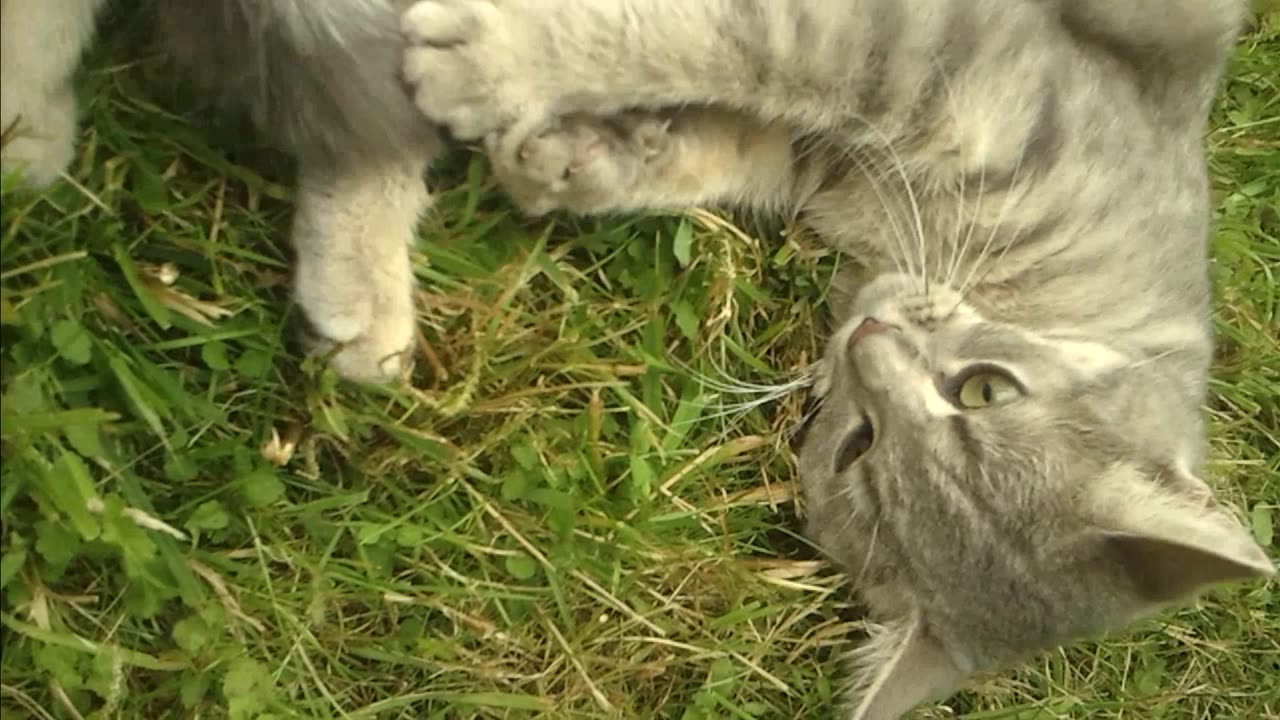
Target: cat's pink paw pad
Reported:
[(580, 163)]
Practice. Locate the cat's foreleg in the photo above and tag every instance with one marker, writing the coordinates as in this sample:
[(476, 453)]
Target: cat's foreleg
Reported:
[(42, 41), (353, 228), (670, 160)]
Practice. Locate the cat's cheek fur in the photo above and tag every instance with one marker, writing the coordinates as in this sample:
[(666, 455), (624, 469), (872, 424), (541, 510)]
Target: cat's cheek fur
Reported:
[(898, 668), (36, 67)]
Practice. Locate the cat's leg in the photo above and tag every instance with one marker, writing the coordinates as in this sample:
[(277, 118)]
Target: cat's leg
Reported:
[(352, 232), (319, 78), (647, 160), (40, 46), (484, 65)]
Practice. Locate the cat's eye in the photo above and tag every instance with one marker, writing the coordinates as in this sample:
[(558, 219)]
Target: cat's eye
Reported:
[(855, 445), (984, 387)]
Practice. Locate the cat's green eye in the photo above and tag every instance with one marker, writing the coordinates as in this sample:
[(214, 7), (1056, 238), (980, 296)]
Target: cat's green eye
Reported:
[(986, 388)]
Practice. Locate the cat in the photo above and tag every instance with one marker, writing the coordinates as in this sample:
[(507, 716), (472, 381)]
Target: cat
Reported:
[(1006, 455), (318, 78)]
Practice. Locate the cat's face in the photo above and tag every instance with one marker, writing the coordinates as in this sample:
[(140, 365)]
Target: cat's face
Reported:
[(994, 491)]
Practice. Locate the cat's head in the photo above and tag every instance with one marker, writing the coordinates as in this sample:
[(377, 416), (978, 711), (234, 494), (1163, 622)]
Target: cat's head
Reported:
[(994, 490)]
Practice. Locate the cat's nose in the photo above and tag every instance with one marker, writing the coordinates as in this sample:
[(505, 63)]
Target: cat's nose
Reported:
[(867, 328)]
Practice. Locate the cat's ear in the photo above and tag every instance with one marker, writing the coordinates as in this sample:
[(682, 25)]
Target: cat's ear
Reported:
[(1173, 543), (899, 668)]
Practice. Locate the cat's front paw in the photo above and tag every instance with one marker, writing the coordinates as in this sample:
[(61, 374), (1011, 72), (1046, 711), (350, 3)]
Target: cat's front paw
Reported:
[(362, 319), (40, 129), (581, 163), (471, 64), (377, 348)]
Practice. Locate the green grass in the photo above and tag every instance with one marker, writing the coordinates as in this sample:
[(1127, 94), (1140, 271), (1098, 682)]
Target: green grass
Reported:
[(554, 522)]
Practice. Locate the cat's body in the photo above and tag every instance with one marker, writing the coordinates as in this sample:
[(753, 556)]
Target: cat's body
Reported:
[(1006, 455), (1005, 458), (319, 78)]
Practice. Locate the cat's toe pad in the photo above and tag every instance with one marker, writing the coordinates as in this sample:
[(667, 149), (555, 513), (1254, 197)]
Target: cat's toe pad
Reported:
[(559, 156), (581, 163)]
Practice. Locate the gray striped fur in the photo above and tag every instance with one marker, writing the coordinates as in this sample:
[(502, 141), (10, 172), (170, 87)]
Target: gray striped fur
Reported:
[(1019, 183)]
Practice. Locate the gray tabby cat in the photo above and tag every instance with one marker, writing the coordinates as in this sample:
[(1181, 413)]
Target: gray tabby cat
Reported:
[(321, 79), (1005, 459)]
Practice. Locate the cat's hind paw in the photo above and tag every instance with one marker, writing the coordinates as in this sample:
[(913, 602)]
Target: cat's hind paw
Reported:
[(581, 163), (471, 65)]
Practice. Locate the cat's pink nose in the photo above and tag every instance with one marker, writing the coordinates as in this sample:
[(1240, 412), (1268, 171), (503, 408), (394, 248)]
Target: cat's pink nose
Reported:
[(867, 328)]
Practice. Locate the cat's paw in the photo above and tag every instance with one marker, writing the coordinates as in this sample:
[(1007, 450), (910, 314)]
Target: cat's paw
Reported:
[(40, 129), (581, 163), (365, 330), (377, 352), (469, 64), (383, 354)]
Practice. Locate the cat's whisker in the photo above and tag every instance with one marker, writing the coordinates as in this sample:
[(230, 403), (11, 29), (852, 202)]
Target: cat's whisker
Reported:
[(730, 385), (956, 250), (750, 389), (743, 407), (736, 412), (948, 274), (860, 156), (871, 550), (990, 266), (750, 396), (723, 377), (916, 220), (885, 146), (849, 493), (963, 250), (970, 281), (1151, 359), (973, 216), (976, 262), (806, 418), (984, 254), (777, 391)]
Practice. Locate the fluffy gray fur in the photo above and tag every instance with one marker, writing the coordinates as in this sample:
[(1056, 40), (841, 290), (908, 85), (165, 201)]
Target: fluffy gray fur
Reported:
[(1005, 459), (319, 78)]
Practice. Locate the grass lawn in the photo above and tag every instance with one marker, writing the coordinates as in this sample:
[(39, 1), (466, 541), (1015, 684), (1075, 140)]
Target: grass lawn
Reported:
[(583, 509)]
